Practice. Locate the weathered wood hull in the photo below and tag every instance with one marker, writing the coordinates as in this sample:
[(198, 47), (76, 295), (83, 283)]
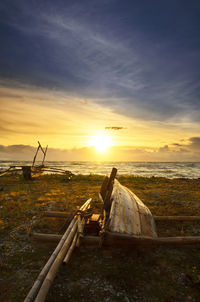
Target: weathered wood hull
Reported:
[(128, 216)]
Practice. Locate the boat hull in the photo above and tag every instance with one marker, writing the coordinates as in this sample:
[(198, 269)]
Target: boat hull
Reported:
[(128, 215)]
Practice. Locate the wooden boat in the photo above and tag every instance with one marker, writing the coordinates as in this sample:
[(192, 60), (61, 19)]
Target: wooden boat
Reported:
[(128, 217), (125, 215), (35, 170)]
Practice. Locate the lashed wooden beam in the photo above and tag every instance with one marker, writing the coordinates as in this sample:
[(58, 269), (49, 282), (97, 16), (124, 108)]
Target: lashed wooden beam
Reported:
[(46, 237), (124, 239), (177, 218)]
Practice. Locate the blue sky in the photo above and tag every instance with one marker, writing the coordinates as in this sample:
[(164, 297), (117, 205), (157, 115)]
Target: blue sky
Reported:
[(139, 59)]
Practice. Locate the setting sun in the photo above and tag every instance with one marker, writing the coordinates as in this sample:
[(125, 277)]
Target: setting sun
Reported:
[(101, 142)]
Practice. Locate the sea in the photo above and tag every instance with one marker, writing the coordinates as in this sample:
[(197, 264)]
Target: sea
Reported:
[(147, 169)]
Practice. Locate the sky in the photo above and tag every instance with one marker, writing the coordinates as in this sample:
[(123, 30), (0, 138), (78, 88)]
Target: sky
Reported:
[(126, 70)]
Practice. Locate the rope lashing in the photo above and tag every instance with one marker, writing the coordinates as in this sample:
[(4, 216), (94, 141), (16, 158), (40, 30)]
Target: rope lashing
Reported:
[(86, 214)]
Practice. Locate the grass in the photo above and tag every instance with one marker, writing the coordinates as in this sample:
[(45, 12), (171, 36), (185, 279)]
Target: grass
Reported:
[(107, 274)]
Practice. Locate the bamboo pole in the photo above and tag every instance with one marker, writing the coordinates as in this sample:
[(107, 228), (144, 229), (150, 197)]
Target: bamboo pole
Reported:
[(68, 255), (37, 284), (81, 224), (41, 148), (55, 266), (45, 152), (177, 218)]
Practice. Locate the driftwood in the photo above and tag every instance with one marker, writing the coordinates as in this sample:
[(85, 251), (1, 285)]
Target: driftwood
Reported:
[(58, 253)]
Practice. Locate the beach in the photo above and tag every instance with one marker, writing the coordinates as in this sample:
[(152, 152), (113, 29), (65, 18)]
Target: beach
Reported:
[(161, 274)]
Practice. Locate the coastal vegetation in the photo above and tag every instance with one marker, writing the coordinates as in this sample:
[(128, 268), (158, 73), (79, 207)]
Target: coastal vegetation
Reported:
[(111, 274)]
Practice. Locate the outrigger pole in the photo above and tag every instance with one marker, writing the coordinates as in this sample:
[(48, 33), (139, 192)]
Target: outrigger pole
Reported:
[(44, 153)]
